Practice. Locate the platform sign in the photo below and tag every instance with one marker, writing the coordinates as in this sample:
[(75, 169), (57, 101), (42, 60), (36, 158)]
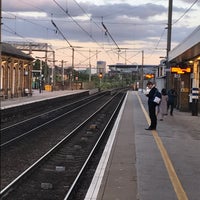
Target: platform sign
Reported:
[(195, 93), (179, 70)]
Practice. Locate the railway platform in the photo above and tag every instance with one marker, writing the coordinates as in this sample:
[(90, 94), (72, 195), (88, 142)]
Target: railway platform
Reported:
[(37, 96), (143, 165), (139, 164)]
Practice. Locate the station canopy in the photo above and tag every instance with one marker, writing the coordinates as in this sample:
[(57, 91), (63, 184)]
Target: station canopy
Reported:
[(188, 49)]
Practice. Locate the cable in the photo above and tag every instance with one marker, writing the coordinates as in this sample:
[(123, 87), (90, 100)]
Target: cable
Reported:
[(61, 33), (156, 47), (87, 14), (73, 20), (160, 38), (66, 12), (13, 32), (185, 12), (110, 36), (29, 21)]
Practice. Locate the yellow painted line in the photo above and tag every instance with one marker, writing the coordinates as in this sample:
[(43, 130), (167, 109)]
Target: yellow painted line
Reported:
[(178, 188)]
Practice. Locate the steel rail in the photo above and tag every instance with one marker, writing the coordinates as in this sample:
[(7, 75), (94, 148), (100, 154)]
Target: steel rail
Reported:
[(46, 123), (70, 191), (45, 113), (11, 186)]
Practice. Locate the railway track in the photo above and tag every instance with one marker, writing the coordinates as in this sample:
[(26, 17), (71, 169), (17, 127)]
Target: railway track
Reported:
[(13, 132), (55, 174)]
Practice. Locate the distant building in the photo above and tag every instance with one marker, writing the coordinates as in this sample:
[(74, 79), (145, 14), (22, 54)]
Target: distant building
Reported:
[(16, 72), (137, 72), (160, 75), (101, 67)]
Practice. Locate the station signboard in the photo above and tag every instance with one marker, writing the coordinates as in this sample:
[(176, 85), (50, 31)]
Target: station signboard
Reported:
[(179, 70)]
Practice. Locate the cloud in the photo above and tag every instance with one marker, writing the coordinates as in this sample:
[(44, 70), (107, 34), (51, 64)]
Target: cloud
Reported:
[(137, 24), (118, 10), (25, 6)]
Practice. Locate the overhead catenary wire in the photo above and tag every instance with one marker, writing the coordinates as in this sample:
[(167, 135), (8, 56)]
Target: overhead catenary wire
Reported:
[(156, 47), (29, 21), (67, 13), (107, 32), (185, 12), (11, 31), (90, 16), (87, 14), (87, 59), (61, 33), (160, 38)]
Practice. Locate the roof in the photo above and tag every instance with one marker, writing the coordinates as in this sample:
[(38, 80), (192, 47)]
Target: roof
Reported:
[(9, 50), (188, 49)]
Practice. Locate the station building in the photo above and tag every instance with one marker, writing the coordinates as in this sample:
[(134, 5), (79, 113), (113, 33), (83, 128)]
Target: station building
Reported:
[(184, 75), (16, 72)]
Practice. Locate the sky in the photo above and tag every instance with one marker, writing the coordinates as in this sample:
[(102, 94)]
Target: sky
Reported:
[(115, 31)]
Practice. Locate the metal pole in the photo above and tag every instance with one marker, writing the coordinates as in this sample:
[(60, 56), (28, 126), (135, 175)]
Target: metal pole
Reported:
[(125, 57), (0, 42), (52, 72), (89, 67), (40, 76), (169, 30), (0, 19), (142, 78), (46, 71), (169, 27), (62, 75), (72, 69)]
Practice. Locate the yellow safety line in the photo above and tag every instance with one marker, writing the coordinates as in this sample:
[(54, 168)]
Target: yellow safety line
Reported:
[(178, 188)]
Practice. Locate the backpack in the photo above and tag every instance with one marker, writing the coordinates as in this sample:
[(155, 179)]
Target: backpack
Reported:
[(157, 97)]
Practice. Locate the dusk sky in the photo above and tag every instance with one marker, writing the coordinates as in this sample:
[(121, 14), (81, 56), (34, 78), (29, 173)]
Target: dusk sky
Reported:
[(134, 26)]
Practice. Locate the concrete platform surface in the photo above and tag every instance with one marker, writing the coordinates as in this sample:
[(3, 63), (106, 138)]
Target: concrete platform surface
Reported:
[(149, 165), (144, 165), (37, 96)]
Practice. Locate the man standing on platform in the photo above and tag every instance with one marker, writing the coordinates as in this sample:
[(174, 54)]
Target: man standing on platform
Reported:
[(152, 106)]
